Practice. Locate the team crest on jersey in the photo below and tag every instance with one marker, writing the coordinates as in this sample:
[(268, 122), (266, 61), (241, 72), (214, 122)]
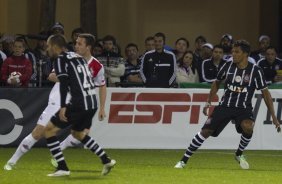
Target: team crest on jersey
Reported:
[(150, 60), (246, 78), (238, 78)]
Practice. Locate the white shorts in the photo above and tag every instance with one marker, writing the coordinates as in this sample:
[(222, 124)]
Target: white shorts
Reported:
[(48, 112), (53, 105)]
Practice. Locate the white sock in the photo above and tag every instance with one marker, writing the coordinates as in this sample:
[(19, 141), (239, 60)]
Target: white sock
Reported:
[(24, 147), (70, 141)]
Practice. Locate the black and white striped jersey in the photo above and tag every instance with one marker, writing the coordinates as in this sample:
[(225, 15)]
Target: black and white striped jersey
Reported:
[(81, 86), (240, 84)]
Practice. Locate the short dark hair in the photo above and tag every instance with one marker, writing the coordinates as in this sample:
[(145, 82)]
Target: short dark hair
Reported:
[(217, 46), (159, 34), (272, 48), (201, 38), (131, 45), (21, 40), (109, 38), (89, 40), (183, 39), (149, 38), (77, 30), (58, 40), (244, 45)]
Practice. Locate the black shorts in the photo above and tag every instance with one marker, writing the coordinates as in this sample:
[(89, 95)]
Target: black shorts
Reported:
[(77, 118), (221, 116)]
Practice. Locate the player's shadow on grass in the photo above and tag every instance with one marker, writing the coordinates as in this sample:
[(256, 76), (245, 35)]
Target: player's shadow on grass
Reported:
[(85, 171), (81, 178)]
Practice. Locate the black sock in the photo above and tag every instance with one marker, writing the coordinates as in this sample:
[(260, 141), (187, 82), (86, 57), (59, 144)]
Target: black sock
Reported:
[(54, 145), (245, 139), (91, 144)]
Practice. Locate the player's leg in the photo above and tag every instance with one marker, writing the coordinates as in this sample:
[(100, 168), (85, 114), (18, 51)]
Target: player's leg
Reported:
[(26, 144), (247, 126), (196, 143), (212, 127), (54, 145), (92, 145), (36, 134), (70, 141), (79, 133)]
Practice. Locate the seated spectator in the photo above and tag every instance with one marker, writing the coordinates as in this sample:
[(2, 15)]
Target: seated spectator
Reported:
[(44, 64), (226, 43), (158, 67), (149, 44), (97, 49), (264, 43), (186, 71), (74, 34), (132, 66), (271, 66), (2, 58), (57, 28), (210, 67), (206, 52), (17, 63), (181, 46), (112, 61)]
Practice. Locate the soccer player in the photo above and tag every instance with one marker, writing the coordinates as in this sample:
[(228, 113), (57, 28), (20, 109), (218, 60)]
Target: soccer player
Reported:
[(84, 47), (38, 131), (74, 76), (241, 79)]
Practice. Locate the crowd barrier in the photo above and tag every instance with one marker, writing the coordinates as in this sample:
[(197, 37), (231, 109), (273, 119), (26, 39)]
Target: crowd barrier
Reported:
[(142, 118)]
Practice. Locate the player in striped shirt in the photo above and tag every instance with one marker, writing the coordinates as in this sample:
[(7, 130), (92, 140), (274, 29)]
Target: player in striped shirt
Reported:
[(242, 78), (74, 76)]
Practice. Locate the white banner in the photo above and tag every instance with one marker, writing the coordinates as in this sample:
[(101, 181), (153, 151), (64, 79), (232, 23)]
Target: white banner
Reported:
[(147, 118)]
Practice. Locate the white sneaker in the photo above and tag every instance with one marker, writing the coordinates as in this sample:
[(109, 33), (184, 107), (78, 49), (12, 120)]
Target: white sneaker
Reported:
[(107, 167), (9, 166), (242, 161), (59, 173), (180, 165), (54, 162)]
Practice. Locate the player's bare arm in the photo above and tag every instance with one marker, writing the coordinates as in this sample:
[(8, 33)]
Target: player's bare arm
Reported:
[(102, 97), (213, 91), (268, 101)]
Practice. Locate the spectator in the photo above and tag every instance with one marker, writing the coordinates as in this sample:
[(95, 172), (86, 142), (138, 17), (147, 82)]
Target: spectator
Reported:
[(7, 44), (149, 44), (17, 63), (132, 65), (181, 46), (44, 64), (186, 71), (57, 28), (206, 52), (226, 43), (158, 67), (97, 49), (264, 43), (2, 58), (210, 67), (74, 35), (112, 61), (271, 66)]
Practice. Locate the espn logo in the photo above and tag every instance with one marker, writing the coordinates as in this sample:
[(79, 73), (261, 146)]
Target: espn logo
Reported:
[(150, 108)]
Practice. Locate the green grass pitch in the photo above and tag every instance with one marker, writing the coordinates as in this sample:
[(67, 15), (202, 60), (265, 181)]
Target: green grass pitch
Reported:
[(146, 167)]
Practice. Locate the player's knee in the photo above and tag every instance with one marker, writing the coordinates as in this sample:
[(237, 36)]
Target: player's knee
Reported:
[(247, 126), (78, 135), (38, 132), (206, 133)]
